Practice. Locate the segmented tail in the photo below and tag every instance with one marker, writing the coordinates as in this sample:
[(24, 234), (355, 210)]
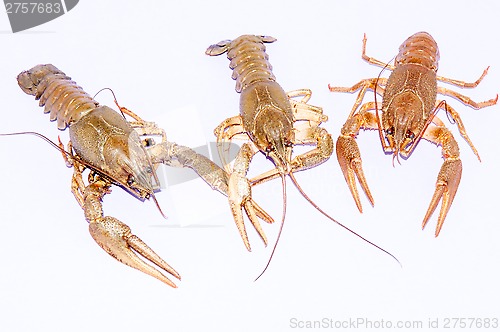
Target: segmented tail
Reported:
[(63, 98)]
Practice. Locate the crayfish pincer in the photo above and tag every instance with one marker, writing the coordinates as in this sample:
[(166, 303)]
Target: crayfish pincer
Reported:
[(105, 143)]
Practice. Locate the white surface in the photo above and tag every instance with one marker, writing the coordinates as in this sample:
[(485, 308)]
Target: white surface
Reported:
[(54, 277)]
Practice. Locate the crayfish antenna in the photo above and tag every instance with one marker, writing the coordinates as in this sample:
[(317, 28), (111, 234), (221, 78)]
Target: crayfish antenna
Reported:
[(379, 120), (283, 184), (294, 180), (153, 196), (98, 92), (59, 147), (45, 138), (395, 155), (123, 110)]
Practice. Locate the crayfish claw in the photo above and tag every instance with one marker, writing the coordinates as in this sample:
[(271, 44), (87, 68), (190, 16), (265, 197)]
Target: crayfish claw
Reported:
[(446, 187), (240, 198), (349, 159), (117, 240), (238, 219), (239, 193), (252, 215), (261, 213)]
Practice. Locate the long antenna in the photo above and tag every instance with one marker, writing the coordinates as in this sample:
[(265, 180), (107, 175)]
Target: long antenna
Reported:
[(45, 138), (283, 182), (294, 180), (379, 121)]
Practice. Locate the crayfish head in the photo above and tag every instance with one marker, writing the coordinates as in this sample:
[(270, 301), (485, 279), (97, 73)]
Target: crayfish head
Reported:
[(274, 136), (108, 144), (129, 164), (403, 122)]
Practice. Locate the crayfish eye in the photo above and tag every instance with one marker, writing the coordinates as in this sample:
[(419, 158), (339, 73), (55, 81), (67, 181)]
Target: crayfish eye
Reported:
[(148, 169), (130, 180), (268, 150), (389, 131), (410, 134), (148, 142)]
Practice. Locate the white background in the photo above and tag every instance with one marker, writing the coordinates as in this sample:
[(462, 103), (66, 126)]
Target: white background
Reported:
[(53, 277)]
